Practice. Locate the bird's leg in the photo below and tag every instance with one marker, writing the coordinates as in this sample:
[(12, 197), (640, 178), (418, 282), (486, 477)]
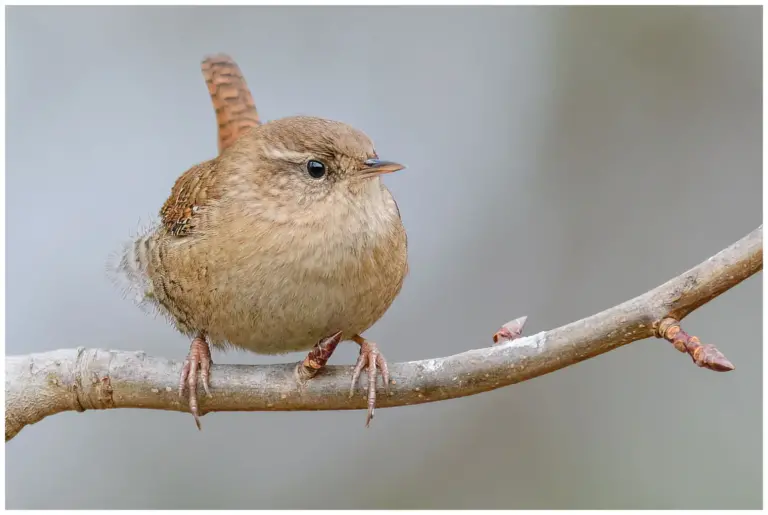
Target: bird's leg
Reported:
[(370, 356), (318, 357), (199, 356)]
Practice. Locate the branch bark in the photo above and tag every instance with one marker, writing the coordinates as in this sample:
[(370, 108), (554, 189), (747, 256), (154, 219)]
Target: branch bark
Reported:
[(39, 385)]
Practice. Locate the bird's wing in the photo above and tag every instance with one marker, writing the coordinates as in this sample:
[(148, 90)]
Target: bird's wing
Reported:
[(235, 109), (235, 113), (190, 196)]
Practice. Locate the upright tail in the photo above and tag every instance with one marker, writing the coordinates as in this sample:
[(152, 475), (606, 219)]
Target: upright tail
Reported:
[(128, 268), (235, 109), (236, 112)]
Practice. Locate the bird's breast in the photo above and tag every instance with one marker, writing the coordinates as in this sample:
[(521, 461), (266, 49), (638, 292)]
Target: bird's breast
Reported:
[(282, 287)]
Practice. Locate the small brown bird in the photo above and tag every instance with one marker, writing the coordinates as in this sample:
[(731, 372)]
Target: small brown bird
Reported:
[(287, 238)]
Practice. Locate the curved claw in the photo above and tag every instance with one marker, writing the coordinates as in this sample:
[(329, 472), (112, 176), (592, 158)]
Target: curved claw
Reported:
[(183, 376), (384, 371), (205, 373), (199, 357), (192, 385), (371, 357), (361, 362)]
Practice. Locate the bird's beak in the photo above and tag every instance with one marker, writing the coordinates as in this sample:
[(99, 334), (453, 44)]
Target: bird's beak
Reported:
[(376, 167)]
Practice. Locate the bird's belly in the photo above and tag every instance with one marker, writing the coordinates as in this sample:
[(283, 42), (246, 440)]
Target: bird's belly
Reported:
[(290, 306)]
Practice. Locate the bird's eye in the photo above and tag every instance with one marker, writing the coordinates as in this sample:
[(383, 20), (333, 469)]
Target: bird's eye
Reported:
[(316, 169)]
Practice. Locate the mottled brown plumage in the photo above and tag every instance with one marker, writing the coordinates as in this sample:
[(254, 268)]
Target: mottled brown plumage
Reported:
[(194, 189), (256, 253)]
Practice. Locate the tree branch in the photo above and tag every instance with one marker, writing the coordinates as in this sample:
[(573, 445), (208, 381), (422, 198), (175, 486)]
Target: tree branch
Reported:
[(39, 385)]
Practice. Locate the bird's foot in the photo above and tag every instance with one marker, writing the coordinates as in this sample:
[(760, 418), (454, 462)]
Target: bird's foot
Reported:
[(371, 357), (199, 357), (318, 357)]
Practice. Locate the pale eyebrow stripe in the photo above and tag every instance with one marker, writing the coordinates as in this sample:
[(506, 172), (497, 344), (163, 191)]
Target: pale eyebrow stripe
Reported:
[(285, 155)]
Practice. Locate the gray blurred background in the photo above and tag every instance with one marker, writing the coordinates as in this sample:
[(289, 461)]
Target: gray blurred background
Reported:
[(560, 161)]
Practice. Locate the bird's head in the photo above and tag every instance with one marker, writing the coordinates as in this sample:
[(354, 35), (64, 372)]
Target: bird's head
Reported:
[(305, 164)]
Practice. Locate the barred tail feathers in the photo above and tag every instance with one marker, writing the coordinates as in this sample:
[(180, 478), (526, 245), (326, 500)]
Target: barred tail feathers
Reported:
[(232, 100)]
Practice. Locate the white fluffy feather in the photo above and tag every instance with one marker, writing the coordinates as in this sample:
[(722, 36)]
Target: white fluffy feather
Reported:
[(127, 268)]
